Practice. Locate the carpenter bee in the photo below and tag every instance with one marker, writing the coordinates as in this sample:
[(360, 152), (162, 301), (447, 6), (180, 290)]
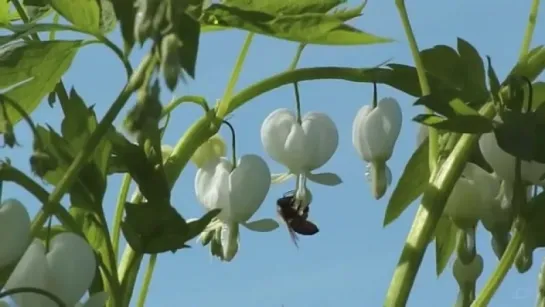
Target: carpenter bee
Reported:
[(288, 209)]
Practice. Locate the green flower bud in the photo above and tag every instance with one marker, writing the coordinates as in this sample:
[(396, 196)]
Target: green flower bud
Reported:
[(524, 259), (468, 273), (41, 163), (9, 135), (170, 60)]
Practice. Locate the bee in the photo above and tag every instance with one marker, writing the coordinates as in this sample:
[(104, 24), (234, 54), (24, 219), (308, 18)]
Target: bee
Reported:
[(296, 220)]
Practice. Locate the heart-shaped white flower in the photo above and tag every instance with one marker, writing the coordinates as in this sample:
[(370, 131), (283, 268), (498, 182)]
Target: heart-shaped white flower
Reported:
[(375, 130), (66, 271), (14, 231), (303, 147)]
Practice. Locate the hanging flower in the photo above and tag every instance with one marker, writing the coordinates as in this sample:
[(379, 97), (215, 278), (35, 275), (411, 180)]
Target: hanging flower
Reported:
[(374, 134), (503, 163), (475, 191), (66, 271), (302, 148), (238, 192), (14, 231)]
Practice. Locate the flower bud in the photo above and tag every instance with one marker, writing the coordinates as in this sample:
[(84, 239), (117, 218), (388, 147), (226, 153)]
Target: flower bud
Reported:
[(468, 273), (41, 163), (14, 231), (170, 59)]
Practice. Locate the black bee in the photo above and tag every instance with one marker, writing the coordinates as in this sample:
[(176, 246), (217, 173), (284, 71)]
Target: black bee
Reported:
[(296, 221)]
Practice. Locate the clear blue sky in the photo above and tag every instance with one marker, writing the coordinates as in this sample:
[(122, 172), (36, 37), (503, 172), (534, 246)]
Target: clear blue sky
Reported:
[(350, 262)]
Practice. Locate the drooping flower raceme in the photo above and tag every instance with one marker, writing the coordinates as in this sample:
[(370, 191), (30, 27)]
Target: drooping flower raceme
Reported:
[(238, 192), (503, 163), (304, 147), (14, 231), (374, 134), (66, 270)]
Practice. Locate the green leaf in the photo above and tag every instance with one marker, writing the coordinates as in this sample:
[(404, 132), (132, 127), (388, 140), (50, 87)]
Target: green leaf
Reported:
[(285, 7), (308, 28), (446, 107), (188, 31), (493, 81), (472, 62), (92, 227), (411, 185), (125, 11), (151, 181), (445, 243), (84, 14), (37, 9), (4, 12), (154, 228), (532, 65), (108, 20), (40, 64), (44, 233), (519, 134), (535, 228), (460, 123)]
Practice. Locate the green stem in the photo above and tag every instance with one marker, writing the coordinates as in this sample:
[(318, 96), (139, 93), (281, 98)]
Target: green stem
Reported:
[(147, 281), (119, 208), (530, 27), (236, 72), (503, 267), (178, 101), (427, 216), (298, 75), (421, 71), (292, 66)]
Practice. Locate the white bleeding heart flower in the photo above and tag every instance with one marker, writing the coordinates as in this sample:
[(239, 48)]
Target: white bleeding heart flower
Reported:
[(14, 231), (474, 192), (238, 192), (302, 148), (66, 271), (503, 163), (374, 134)]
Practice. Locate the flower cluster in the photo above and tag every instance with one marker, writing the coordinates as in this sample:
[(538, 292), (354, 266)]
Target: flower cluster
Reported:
[(63, 266), (302, 144)]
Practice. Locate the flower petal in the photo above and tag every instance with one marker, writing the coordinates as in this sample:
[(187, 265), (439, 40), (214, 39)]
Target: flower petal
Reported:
[(263, 225), (249, 184), (464, 201), (283, 138), (357, 133), (382, 129), (321, 139), (212, 185), (14, 231), (229, 241), (31, 271), (72, 266)]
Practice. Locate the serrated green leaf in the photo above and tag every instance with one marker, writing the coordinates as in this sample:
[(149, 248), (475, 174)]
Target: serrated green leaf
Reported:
[(40, 64), (475, 74), (197, 226), (84, 14), (445, 243), (460, 123), (108, 19), (445, 106), (411, 185), (444, 63), (285, 7), (308, 28)]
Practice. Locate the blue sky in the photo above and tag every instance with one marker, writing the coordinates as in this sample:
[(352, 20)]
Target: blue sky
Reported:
[(350, 262)]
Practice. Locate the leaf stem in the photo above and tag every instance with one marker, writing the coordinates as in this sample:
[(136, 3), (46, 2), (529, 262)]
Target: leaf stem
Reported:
[(178, 101), (119, 208), (421, 71), (147, 281), (506, 262), (236, 73), (292, 66), (530, 27), (427, 216)]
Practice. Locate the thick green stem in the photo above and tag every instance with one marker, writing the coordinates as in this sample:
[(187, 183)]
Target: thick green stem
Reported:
[(530, 27), (119, 209), (427, 216), (147, 281), (421, 71)]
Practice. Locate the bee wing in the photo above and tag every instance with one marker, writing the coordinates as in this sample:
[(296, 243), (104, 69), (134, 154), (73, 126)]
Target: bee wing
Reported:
[(292, 233), (306, 228)]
